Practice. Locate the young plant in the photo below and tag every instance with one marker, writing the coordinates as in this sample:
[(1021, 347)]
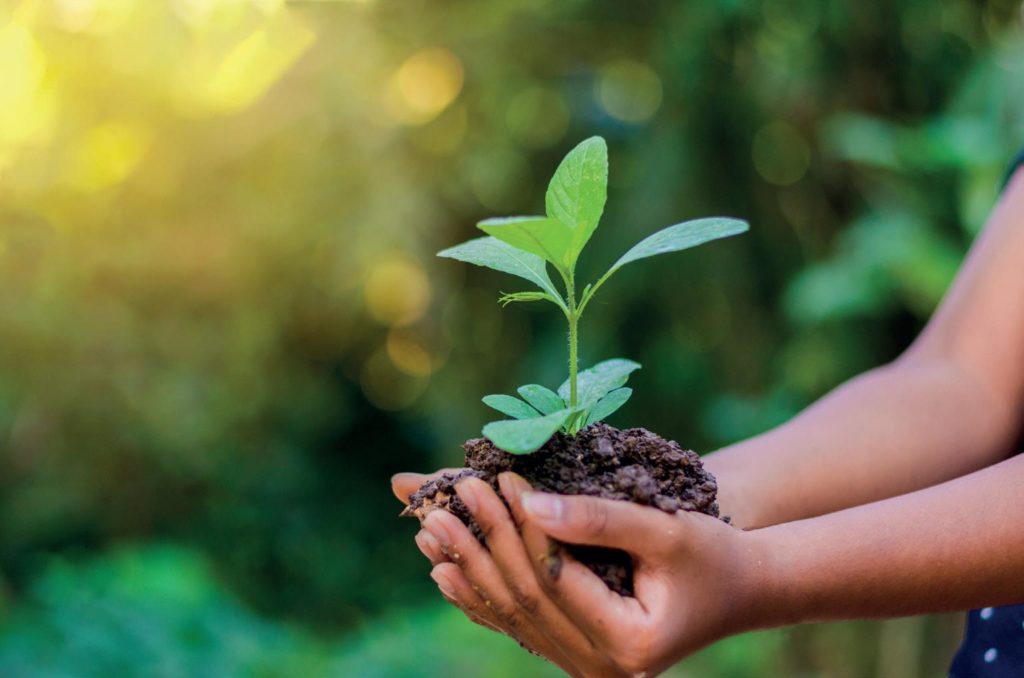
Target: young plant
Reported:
[(524, 246)]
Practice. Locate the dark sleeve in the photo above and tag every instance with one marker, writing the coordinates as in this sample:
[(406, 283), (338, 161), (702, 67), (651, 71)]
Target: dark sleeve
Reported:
[(1017, 163)]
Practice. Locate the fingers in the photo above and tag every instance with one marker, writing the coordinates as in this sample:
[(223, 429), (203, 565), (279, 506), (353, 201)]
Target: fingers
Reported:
[(459, 592), (430, 547), (602, 615), (486, 582), (503, 542), (513, 563), (404, 484), (580, 519), (465, 551)]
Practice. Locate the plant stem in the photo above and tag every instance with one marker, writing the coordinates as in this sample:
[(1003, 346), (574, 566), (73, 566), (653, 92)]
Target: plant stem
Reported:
[(574, 318)]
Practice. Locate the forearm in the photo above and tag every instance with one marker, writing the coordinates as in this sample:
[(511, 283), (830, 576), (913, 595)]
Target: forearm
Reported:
[(950, 406), (950, 547), (897, 429)]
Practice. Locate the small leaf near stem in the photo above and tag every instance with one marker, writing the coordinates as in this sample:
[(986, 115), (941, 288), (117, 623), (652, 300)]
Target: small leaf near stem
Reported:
[(607, 405), (543, 399), (509, 406), (507, 298), (597, 381), (495, 254), (525, 435)]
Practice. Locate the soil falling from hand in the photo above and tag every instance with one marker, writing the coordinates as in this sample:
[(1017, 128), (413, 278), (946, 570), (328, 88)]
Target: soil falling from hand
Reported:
[(601, 461)]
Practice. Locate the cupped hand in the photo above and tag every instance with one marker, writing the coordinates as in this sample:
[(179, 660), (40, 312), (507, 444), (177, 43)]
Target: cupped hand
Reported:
[(696, 579), (481, 593)]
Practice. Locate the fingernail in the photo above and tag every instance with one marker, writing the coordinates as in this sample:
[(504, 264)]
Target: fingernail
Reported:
[(427, 544), (442, 583), (508, 488), (435, 524), (543, 506), (468, 494)]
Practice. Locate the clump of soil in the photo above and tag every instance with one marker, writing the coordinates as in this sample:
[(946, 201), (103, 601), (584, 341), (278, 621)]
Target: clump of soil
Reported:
[(601, 461)]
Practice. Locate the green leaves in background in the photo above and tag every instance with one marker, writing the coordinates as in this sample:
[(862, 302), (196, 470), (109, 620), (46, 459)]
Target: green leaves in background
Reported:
[(523, 436), (500, 256)]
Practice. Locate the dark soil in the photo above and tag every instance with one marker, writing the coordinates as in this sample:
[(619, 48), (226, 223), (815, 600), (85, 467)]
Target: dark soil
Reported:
[(601, 461)]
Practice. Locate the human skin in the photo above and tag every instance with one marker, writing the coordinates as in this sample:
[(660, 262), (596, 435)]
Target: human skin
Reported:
[(891, 496)]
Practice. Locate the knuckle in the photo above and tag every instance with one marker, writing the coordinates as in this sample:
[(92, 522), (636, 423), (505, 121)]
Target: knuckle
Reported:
[(633, 663), (527, 600), (486, 528), (593, 518), (633, 666), (466, 606), (636, 655), (507, 612), (482, 621)]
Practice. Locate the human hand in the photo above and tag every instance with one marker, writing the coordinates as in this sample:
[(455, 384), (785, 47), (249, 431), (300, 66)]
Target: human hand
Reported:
[(696, 579), (497, 612)]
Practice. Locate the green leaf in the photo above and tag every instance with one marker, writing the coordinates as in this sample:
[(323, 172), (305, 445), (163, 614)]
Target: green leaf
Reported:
[(683, 236), (510, 406), (594, 383), (607, 405), (672, 239), (547, 238), (493, 253), (577, 193), (526, 435), (544, 399)]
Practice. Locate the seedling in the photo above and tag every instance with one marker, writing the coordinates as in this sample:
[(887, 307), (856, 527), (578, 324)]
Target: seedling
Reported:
[(524, 246)]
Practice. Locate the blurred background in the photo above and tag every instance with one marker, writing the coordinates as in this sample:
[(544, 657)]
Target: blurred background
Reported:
[(222, 326)]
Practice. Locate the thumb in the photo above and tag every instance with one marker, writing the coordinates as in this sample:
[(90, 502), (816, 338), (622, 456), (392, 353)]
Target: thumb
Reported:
[(404, 484), (611, 523)]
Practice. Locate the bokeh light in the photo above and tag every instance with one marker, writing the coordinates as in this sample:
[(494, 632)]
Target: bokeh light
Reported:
[(425, 84), (389, 386), (629, 91), (26, 107), (397, 290), (538, 117), (106, 155), (408, 355), (780, 154)]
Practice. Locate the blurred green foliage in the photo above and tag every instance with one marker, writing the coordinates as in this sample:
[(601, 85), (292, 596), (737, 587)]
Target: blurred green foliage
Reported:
[(222, 326)]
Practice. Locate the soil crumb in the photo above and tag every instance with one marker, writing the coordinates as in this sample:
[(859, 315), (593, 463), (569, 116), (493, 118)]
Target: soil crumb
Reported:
[(601, 461)]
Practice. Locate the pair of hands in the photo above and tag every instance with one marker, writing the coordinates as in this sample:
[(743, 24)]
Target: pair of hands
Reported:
[(696, 579)]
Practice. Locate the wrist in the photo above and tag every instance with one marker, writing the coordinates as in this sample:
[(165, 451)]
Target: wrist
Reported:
[(738, 497), (769, 595)]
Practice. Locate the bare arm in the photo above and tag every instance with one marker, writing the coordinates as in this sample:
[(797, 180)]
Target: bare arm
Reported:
[(950, 405), (950, 547)]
